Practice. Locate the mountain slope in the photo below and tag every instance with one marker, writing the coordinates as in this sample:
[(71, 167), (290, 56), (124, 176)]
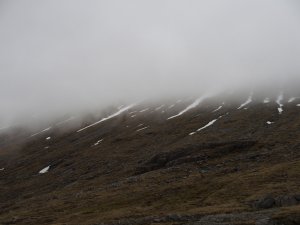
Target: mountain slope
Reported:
[(149, 165)]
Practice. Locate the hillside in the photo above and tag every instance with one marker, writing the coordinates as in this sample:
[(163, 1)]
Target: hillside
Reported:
[(213, 160)]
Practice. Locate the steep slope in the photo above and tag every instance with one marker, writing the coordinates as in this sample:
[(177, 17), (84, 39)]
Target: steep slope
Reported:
[(176, 162)]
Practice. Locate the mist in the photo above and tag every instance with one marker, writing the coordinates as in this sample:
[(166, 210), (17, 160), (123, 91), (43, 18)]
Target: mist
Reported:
[(62, 56)]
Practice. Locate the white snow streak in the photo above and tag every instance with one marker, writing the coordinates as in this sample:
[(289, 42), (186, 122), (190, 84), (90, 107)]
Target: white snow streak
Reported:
[(144, 110), (293, 99), (141, 129), (266, 100), (269, 122), (158, 108), (193, 105), (45, 170), (98, 142), (249, 100), (109, 117), (217, 109), (279, 102), (47, 129), (207, 125)]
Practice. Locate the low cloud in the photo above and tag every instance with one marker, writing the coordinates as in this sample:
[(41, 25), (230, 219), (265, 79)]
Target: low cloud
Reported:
[(59, 56)]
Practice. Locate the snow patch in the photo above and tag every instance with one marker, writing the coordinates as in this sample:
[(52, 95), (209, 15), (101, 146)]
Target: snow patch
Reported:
[(141, 129), (48, 138), (291, 99), (1, 169), (248, 101), (144, 110), (207, 125), (98, 142), (279, 102), (266, 100), (47, 129), (160, 107), (109, 117), (45, 170), (217, 109), (191, 106), (269, 122)]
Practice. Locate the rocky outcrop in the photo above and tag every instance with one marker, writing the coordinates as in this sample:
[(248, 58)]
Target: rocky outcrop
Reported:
[(192, 153), (258, 218), (268, 201)]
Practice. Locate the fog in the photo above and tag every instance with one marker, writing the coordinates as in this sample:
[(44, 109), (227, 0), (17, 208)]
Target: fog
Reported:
[(59, 56)]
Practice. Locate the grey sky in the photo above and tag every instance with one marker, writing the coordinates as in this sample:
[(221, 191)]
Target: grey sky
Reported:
[(59, 55)]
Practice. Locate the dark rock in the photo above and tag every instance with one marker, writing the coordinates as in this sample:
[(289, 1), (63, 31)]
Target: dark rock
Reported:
[(265, 221), (174, 217), (265, 203), (289, 220), (191, 153), (297, 197), (282, 201)]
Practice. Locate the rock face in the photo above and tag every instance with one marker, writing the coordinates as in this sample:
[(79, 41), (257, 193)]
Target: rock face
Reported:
[(279, 201)]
